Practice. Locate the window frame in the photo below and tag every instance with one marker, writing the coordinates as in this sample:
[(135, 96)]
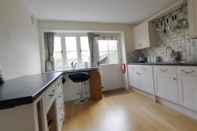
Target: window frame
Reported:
[(118, 50), (78, 45)]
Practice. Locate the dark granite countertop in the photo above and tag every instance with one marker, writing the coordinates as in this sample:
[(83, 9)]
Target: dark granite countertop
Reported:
[(165, 64), (25, 90)]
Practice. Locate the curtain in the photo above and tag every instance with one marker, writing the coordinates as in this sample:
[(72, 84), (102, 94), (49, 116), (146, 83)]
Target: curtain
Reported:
[(94, 55), (49, 48)]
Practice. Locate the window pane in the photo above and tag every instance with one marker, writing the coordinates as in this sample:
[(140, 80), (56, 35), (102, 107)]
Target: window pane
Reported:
[(71, 50), (71, 43), (84, 43), (113, 57), (108, 52), (58, 58), (85, 50), (113, 45), (57, 44), (85, 56), (58, 61), (71, 55), (103, 46)]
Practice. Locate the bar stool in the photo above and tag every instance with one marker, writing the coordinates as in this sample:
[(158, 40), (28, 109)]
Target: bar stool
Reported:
[(80, 77)]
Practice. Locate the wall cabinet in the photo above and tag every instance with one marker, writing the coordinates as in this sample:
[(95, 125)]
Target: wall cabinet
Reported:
[(145, 35), (166, 83), (141, 77), (192, 11), (188, 84)]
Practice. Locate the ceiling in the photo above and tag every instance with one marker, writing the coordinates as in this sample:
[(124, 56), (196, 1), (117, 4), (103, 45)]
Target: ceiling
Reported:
[(113, 11)]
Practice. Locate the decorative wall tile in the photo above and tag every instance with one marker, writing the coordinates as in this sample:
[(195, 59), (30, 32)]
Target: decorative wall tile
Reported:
[(178, 42)]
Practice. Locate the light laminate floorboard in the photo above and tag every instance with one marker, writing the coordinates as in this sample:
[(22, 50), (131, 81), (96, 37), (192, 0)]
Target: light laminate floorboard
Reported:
[(125, 111)]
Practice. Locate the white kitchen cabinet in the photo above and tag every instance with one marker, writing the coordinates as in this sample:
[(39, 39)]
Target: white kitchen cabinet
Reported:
[(53, 99), (141, 77), (188, 84), (147, 82), (145, 35), (60, 105), (131, 75), (138, 80), (166, 83), (192, 11)]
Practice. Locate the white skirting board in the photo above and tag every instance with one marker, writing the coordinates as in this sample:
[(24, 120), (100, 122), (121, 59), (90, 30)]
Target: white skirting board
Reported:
[(179, 108)]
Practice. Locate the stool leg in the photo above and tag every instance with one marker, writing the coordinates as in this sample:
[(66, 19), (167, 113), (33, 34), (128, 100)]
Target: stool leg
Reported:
[(83, 97), (81, 92)]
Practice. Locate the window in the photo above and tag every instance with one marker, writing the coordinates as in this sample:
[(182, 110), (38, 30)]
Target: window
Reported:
[(58, 58), (108, 51), (69, 50), (85, 50)]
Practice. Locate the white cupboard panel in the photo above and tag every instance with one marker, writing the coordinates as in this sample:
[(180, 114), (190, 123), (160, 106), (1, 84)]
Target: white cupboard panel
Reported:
[(131, 71), (188, 84), (141, 77), (166, 83)]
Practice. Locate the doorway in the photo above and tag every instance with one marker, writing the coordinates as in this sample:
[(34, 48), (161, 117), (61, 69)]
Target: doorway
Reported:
[(109, 50)]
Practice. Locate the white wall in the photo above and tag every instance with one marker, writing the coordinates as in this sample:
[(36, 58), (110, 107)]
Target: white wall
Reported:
[(19, 48)]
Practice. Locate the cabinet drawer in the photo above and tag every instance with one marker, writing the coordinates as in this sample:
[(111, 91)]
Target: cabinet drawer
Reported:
[(170, 70), (145, 68), (187, 71), (131, 67)]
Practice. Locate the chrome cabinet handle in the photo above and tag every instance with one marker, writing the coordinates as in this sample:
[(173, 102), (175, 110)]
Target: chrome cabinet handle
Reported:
[(188, 72), (138, 73), (163, 70), (174, 78)]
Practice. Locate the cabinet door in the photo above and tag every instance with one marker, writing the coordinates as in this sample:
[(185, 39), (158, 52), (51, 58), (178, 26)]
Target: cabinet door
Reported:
[(147, 79), (141, 36), (131, 71), (138, 83), (192, 4), (166, 82), (188, 84)]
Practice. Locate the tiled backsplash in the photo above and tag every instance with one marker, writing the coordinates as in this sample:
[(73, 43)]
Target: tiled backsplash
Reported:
[(178, 41)]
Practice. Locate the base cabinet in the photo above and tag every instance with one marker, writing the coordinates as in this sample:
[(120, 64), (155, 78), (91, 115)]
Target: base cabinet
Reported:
[(188, 84), (177, 84), (166, 83), (141, 77), (131, 76)]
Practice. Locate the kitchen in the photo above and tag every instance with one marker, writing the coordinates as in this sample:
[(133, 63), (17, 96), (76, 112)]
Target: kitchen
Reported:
[(63, 72)]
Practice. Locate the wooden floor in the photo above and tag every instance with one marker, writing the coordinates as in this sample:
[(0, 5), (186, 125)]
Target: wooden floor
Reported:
[(125, 111)]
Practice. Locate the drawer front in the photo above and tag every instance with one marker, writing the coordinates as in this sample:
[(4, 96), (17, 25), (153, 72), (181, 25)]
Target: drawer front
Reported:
[(145, 68), (169, 70), (187, 71), (131, 67)]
